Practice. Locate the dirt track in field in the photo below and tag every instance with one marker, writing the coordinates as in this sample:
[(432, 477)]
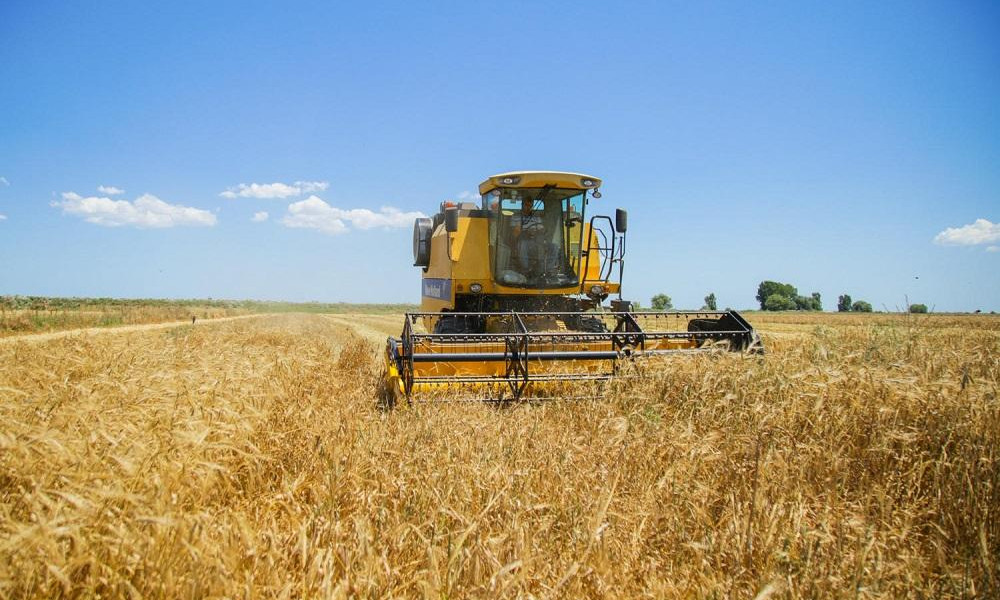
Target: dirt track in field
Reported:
[(43, 337), (374, 328)]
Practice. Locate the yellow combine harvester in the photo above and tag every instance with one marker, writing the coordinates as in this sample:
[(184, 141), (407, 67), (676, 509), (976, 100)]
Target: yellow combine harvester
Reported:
[(514, 289)]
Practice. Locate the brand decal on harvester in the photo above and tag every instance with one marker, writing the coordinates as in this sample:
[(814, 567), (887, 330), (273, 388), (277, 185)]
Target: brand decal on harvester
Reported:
[(437, 288)]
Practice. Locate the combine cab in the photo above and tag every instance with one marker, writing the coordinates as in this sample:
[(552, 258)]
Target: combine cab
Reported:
[(513, 297)]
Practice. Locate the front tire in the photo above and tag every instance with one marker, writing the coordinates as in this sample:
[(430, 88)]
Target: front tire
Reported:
[(588, 325), (453, 324)]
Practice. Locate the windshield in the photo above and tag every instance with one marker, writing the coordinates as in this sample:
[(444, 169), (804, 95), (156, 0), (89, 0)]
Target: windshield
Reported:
[(535, 236)]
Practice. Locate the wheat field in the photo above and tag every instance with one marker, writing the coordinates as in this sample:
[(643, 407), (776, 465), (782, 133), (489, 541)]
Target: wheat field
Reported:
[(859, 458)]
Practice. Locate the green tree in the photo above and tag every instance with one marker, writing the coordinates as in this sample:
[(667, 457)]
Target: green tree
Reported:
[(807, 302), (861, 306), (710, 303), (779, 302), (766, 289), (661, 302), (918, 308), (844, 303)]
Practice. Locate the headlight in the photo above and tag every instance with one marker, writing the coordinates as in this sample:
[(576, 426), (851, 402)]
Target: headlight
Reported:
[(510, 180), (587, 182), (476, 288), (596, 290)]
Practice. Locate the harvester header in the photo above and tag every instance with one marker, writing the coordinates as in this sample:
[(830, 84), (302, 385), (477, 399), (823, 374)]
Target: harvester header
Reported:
[(513, 295)]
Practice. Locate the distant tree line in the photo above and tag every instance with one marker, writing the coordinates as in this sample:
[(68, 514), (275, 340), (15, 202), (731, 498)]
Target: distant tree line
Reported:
[(844, 304), (774, 295), (47, 303), (16, 302), (662, 302)]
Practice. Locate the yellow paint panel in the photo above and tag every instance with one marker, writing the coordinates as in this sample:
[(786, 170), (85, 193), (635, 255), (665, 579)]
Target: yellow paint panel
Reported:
[(471, 250)]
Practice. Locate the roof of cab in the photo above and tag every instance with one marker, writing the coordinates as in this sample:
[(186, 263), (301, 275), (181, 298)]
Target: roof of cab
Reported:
[(532, 179)]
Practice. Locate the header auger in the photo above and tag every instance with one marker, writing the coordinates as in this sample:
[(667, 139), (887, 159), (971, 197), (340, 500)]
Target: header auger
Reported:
[(513, 291)]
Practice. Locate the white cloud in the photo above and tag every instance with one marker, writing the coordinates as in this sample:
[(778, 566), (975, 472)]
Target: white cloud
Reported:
[(993, 249), (259, 217), (314, 213), (147, 211), (4, 182), (275, 190), (468, 196), (110, 190), (312, 186), (979, 232), (3, 217)]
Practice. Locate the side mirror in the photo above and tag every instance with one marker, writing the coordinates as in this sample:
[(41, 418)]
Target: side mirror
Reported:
[(621, 220), (451, 220)]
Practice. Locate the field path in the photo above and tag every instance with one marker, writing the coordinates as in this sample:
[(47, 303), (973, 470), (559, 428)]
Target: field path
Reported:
[(44, 337), (374, 328)]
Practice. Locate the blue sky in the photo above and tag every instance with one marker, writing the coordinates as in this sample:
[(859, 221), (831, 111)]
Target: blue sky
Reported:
[(823, 144)]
